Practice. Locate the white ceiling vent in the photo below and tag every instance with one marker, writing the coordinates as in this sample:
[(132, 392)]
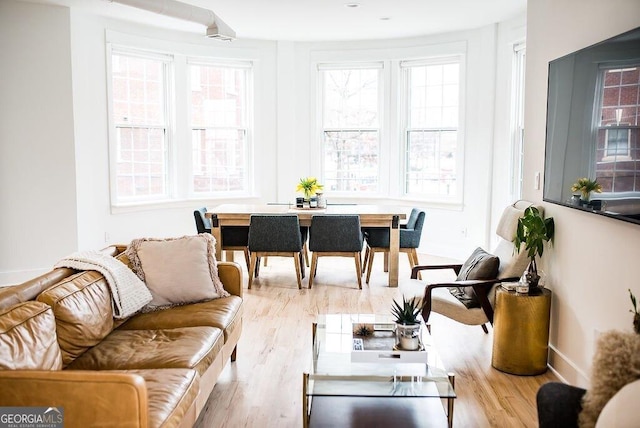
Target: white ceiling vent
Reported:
[(216, 27)]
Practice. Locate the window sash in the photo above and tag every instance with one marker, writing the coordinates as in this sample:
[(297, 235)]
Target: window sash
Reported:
[(432, 152), (351, 131), (219, 127), (140, 169)]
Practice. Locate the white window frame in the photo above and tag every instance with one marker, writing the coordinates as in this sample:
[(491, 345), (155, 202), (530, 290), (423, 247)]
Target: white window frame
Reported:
[(404, 127), (248, 128), (518, 79), (382, 68), (169, 130)]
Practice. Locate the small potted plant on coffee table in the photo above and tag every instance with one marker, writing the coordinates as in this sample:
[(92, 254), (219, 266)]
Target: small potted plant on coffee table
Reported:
[(407, 323)]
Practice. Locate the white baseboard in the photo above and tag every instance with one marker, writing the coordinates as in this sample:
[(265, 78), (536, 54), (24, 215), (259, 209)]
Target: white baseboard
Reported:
[(566, 370)]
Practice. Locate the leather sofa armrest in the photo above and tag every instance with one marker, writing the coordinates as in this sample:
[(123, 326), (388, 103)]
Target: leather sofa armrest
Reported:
[(231, 276), (89, 398)]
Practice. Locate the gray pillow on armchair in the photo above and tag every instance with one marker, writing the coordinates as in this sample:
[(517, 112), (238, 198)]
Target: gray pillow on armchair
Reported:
[(480, 265)]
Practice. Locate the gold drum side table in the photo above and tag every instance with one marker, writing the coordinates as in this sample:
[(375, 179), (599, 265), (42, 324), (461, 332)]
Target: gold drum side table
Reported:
[(521, 332)]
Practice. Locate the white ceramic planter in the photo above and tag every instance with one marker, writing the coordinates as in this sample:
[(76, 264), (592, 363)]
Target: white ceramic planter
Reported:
[(408, 336)]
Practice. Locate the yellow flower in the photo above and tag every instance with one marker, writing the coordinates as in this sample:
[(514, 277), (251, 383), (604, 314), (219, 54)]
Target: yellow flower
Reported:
[(585, 186), (309, 186)]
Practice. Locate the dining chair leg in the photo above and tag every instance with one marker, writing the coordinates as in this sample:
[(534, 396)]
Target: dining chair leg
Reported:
[(312, 270), (366, 257), (357, 256), (252, 267), (372, 253), (247, 257), (306, 254), (386, 261), (413, 260), (296, 259)]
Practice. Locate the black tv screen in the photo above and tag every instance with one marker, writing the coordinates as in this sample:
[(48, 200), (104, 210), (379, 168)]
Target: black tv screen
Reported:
[(593, 128)]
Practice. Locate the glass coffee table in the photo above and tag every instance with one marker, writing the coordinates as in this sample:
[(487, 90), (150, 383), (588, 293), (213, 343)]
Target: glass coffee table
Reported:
[(390, 386)]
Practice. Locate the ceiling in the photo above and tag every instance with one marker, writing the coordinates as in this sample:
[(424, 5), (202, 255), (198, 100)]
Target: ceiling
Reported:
[(324, 20)]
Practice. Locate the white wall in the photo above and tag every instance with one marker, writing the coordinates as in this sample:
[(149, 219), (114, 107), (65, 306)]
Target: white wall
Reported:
[(594, 259), (284, 143), (37, 168)]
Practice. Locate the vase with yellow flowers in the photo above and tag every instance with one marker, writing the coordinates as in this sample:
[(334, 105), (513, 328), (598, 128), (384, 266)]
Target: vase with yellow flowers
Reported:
[(309, 186), (585, 186)]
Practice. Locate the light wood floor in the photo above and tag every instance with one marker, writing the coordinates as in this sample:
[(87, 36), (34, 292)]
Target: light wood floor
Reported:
[(263, 388)]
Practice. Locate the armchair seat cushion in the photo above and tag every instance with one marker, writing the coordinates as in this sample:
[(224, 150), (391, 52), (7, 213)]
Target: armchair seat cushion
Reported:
[(444, 302)]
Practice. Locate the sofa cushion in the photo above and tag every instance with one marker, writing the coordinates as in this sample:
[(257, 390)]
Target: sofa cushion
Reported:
[(28, 338), (84, 316), (170, 394), (188, 347), (177, 270), (224, 313), (480, 265)]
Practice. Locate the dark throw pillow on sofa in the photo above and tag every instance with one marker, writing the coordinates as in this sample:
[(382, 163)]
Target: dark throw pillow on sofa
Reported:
[(480, 265)]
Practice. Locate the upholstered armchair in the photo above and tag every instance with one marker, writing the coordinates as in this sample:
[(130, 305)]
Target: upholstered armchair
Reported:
[(469, 299)]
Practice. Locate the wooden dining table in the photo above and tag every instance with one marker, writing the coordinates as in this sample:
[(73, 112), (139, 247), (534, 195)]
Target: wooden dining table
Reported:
[(370, 216)]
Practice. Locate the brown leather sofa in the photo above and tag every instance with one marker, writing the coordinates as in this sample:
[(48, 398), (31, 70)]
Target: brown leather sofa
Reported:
[(154, 369)]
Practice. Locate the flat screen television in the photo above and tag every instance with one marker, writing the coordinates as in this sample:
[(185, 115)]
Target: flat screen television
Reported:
[(593, 128)]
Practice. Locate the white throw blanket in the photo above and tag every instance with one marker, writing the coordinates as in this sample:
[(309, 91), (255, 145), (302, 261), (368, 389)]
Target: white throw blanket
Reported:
[(128, 293)]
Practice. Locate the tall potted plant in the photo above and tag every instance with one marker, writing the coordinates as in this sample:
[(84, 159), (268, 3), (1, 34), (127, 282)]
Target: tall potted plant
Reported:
[(534, 231)]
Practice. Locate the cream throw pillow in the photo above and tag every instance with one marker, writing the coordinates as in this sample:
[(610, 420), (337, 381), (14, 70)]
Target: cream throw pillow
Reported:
[(177, 270)]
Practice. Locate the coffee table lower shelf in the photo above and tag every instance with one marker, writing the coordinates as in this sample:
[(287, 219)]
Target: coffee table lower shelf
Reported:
[(367, 412), (365, 401)]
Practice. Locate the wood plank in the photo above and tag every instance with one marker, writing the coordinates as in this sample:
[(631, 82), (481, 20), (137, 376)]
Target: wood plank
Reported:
[(263, 388)]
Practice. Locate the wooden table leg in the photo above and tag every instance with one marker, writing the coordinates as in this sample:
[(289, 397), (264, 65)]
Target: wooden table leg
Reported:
[(394, 251), (452, 380), (216, 231)]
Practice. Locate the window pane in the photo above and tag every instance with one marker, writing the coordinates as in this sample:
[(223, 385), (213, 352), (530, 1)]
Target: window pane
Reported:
[(218, 96), (219, 128), (138, 90), (351, 139), (431, 160), (351, 98), (218, 160), (140, 168), (351, 161)]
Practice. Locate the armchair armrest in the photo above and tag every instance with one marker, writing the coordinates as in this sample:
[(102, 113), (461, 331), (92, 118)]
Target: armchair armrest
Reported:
[(89, 398), (414, 272)]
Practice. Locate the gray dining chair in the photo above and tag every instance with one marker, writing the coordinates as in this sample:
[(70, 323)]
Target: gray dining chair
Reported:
[(335, 235), (234, 238), (275, 236), (377, 240)]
